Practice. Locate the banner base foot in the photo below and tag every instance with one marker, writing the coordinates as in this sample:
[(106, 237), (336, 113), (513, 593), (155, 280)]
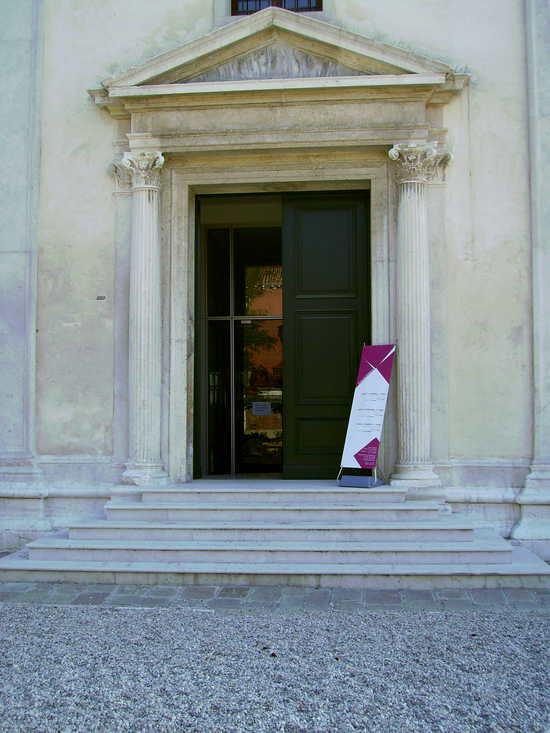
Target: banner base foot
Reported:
[(367, 482)]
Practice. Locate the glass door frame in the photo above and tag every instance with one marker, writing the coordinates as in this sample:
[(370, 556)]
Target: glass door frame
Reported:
[(202, 394)]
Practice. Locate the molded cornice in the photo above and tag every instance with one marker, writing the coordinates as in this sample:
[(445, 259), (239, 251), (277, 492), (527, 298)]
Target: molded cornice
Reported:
[(188, 70)]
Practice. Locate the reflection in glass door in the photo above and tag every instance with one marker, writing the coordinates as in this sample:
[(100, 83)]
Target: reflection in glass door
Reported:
[(245, 350)]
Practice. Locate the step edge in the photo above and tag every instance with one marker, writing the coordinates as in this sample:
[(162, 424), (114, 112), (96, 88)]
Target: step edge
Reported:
[(274, 490), (223, 507), (293, 569), (342, 546), (377, 525)]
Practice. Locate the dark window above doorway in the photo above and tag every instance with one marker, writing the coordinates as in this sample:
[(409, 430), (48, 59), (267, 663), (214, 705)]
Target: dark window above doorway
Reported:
[(247, 7)]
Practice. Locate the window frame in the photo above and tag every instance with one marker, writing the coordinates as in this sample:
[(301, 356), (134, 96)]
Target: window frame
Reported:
[(275, 4)]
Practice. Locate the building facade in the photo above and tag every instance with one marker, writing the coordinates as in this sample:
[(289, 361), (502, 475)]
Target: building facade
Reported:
[(207, 212)]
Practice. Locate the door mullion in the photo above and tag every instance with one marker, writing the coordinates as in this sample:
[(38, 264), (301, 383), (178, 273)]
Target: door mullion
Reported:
[(232, 391)]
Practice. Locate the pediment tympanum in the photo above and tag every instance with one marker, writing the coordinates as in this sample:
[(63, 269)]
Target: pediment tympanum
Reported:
[(276, 61), (276, 49)]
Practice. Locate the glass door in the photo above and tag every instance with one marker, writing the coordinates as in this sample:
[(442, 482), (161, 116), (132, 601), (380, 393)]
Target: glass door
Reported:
[(245, 350)]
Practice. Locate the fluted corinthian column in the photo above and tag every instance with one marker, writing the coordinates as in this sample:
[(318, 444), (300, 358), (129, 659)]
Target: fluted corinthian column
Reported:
[(416, 165), (144, 347)]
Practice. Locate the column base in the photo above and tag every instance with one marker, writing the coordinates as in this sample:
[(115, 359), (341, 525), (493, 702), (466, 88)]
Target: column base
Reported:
[(538, 479), (144, 474), (533, 527), (415, 476), (18, 469)]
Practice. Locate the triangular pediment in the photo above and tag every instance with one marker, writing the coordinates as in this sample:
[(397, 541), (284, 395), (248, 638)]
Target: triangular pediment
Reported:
[(275, 44)]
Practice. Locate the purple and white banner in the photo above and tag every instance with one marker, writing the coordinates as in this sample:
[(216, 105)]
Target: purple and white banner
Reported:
[(368, 407)]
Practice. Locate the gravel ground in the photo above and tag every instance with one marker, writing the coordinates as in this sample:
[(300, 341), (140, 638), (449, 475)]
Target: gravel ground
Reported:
[(120, 669)]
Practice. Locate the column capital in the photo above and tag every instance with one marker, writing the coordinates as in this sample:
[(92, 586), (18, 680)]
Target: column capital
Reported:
[(419, 162), (144, 168), (122, 176)]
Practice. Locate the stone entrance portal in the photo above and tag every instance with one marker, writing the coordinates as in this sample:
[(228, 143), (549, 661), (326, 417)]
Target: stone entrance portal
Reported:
[(206, 119)]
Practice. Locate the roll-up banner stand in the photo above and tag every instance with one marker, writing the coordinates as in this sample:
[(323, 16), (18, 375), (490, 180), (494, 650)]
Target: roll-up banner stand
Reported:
[(367, 416)]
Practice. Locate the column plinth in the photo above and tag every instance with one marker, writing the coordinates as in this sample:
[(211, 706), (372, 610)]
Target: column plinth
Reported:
[(144, 347), (533, 527), (416, 165)]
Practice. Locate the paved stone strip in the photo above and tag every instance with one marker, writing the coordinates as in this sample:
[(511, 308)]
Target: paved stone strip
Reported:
[(281, 598)]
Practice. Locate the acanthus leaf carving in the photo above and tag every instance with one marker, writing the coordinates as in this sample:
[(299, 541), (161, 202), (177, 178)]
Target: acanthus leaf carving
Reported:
[(419, 162), (144, 168), (122, 176)]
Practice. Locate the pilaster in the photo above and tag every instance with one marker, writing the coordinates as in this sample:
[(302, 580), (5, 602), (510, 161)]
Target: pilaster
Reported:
[(416, 164), (19, 202), (533, 527)]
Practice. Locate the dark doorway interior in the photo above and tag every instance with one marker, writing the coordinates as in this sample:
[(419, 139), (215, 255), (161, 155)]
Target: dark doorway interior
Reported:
[(245, 354), (283, 307)]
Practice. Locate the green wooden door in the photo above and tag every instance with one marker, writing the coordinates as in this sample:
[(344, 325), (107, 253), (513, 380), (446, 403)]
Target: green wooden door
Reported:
[(326, 265)]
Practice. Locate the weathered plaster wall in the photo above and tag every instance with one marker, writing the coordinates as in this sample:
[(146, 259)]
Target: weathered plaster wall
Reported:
[(483, 294), (86, 43), (19, 61)]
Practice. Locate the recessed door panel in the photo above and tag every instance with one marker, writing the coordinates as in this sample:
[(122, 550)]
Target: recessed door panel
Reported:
[(321, 338), (317, 250), (323, 433)]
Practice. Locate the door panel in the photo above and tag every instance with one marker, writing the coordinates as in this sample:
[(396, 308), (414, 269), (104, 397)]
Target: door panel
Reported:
[(316, 249), (320, 434), (327, 318), (323, 337)]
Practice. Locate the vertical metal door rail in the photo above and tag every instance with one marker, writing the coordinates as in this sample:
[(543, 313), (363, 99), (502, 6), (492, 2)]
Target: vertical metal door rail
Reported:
[(232, 390)]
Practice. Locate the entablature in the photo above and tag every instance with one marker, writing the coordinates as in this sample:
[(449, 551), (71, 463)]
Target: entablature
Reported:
[(275, 78)]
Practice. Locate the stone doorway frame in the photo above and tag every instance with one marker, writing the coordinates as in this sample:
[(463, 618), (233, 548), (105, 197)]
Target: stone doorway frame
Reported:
[(179, 246), (161, 380)]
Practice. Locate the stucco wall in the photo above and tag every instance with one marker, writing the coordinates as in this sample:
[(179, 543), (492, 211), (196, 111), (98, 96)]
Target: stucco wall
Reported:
[(483, 292), (85, 43)]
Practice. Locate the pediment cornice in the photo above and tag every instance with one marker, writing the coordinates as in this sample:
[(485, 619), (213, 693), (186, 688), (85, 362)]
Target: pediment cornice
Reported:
[(273, 50)]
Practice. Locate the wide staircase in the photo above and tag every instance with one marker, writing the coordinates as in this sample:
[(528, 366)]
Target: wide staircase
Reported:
[(310, 533)]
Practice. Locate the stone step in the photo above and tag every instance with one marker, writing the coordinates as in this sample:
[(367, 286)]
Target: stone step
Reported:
[(445, 529), (168, 512), (291, 495), (525, 571), (490, 551)]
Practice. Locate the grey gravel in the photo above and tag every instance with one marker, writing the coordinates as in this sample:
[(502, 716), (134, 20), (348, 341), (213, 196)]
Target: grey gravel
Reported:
[(183, 669)]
